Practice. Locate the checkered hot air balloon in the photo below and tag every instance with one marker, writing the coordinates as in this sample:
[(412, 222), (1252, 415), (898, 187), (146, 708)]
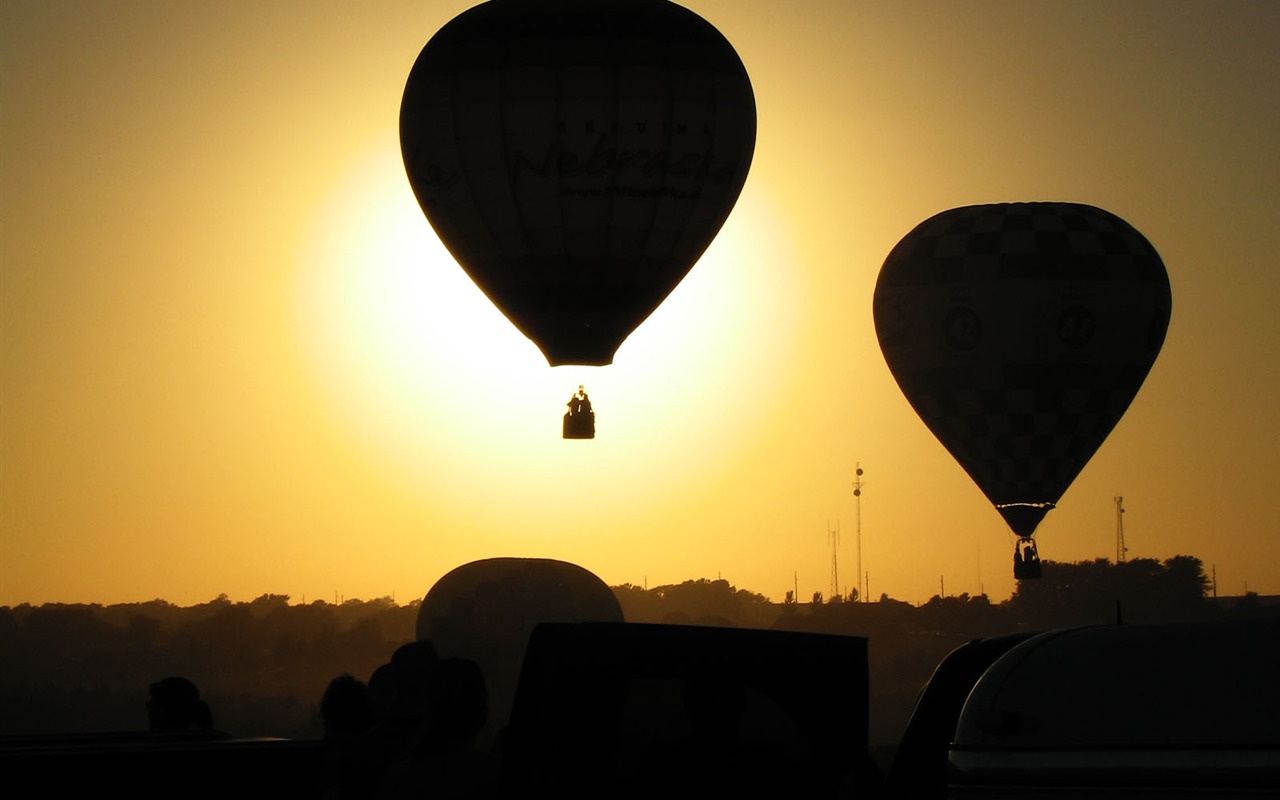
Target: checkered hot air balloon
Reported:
[(1020, 333)]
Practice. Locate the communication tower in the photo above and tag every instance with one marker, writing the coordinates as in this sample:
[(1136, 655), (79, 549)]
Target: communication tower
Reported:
[(1120, 548), (857, 504), (834, 536)]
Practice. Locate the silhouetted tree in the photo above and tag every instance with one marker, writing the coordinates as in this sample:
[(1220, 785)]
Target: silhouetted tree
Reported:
[(700, 602), (1094, 592), (262, 665), (1185, 586)]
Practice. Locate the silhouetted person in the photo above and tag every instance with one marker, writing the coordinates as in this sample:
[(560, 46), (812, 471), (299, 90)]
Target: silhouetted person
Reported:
[(398, 694), (346, 711), (1026, 560), (444, 761), (410, 668), (175, 705)]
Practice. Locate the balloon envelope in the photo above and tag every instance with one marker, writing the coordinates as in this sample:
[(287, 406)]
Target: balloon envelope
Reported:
[(577, 157), (485, 610), (1020, 333)]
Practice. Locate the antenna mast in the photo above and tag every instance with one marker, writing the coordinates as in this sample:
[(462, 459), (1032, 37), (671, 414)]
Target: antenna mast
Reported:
[(857, 504), (834, 536), (1120, 548)]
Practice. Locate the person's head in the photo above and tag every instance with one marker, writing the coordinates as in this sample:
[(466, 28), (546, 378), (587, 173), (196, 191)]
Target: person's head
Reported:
[(399, 687), (175, 705), (411, 668), (346, 708)]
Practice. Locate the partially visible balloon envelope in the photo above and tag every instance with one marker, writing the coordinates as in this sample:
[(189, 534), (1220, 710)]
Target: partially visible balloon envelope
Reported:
[(577, 157), (1020, 333)]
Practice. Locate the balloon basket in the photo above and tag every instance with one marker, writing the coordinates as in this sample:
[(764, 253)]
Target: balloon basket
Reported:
[(579, 420), (1026, 560), (580, 426)]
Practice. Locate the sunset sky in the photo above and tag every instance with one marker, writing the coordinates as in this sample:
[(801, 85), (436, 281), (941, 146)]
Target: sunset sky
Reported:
[(235, 359)]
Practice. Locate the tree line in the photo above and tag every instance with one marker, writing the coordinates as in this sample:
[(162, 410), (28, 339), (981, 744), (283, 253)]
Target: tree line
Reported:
[(262, 666)]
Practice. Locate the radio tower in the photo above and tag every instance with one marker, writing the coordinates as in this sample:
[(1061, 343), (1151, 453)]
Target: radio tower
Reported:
[(834, 536), (857, 504), (1120, 548)]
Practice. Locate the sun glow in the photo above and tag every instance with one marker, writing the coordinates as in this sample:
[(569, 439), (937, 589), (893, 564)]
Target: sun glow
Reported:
[(430, 377)]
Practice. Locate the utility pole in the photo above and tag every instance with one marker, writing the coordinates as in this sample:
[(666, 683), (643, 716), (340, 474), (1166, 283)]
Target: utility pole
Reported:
[(857, 504), (1120, 548)]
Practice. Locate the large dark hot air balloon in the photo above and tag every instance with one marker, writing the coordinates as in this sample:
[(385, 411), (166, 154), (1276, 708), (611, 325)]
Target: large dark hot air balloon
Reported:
[(1020, 333), (577, 157)]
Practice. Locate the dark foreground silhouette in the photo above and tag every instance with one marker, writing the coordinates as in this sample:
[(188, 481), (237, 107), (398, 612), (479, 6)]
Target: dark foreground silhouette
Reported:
[(636, 708), (602, 710), (1181, 710), (633, 710), (636, 711)]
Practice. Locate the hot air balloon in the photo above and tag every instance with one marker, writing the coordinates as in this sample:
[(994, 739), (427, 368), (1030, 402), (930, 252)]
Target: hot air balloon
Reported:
[(485, 611), (1020, 333), (577, 157)]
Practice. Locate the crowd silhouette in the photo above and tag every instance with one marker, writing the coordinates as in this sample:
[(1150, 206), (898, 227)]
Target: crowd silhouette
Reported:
[(410, 732), (414, 731)]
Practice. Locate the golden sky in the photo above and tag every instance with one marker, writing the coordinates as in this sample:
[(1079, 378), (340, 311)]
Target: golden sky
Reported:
[(234, 357)]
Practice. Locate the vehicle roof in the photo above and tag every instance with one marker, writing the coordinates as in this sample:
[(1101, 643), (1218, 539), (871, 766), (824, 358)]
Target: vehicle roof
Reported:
[(1199, 684)]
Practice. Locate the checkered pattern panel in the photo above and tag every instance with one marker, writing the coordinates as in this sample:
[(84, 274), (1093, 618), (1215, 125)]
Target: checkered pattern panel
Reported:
[(1022, 241), (1020, 333), (1023, 445)]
